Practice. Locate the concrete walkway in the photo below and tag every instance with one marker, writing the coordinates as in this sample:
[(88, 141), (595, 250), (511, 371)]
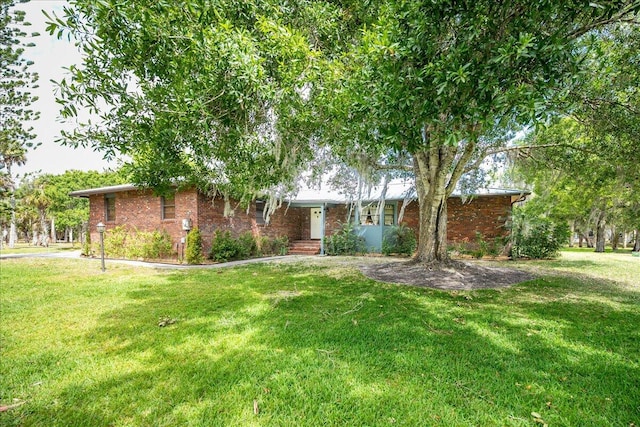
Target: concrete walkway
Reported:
[(76, 255)]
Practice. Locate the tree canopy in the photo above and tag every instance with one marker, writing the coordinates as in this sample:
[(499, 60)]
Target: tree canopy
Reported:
[(589, 175), (41, 198), (16, 83), (239, 95)]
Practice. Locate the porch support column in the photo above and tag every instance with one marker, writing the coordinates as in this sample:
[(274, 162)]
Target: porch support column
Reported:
[(323, 217)]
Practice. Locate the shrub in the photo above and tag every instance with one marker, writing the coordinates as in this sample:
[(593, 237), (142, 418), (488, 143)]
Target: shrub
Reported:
[(193, 253), (149, 245), (277, 246), (399, 240), (482, 247), (224, 247), (345, 241), (247, 246), (280, 245), (496, 246), (263, 246), (86, 246), (537, 238), (115, 241)]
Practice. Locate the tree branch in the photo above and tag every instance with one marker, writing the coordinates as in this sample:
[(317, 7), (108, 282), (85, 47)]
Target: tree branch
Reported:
[(486, 154), (402, 167), (594, 103), (619, 17), (459, 169)]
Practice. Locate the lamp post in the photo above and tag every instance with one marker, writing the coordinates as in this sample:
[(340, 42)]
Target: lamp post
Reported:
[(101, 227), (186, 227)]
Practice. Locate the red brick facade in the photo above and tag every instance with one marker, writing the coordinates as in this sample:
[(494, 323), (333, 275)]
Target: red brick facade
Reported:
[(484, 214), (141, 210)]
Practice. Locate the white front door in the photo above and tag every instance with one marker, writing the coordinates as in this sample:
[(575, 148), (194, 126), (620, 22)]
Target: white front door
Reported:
[(316, 223)]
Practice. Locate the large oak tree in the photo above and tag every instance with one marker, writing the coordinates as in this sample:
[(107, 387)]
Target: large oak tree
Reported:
[(241, 94)]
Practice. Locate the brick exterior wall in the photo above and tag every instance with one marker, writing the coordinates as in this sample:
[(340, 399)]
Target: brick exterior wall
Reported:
[(283, 222), (141, 210), (484, 214), (335, 216)]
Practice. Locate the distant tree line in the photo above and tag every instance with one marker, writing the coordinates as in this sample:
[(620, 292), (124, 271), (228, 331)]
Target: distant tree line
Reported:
[(45, 212)]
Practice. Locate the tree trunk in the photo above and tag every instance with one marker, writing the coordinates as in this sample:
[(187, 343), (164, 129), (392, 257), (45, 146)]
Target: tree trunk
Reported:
[(437, 169), (432, 237), (573, 232), (44, 237), (13, 233), (636, 246), (615, 238), (600, 232)]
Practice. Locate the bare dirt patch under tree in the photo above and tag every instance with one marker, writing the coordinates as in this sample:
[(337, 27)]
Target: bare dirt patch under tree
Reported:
[(459, 276)]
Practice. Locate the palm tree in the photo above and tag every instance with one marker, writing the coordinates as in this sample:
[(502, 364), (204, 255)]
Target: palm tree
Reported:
[(38, 198)]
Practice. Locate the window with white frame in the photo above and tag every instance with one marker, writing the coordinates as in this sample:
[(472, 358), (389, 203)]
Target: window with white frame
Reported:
[(369, 214)]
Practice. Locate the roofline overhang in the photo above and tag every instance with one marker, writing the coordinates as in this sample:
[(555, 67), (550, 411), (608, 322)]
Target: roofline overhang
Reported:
[(131, 187), (105, 190)]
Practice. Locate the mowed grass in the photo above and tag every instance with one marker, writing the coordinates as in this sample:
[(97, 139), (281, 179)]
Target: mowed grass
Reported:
[(25, 248), (317, 344)]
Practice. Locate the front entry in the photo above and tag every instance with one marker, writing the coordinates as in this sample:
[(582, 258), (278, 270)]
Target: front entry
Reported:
[(316, 223)]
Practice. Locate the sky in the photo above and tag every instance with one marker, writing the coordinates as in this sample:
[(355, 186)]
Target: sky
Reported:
[(50, 56)]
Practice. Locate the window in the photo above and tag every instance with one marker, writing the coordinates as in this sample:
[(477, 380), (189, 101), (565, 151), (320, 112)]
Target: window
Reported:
[(110, 207), (369, 214), (259, 212), (168, 206)]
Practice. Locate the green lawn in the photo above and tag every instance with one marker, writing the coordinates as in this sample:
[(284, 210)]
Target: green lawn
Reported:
[(317, 344), (25, 248)]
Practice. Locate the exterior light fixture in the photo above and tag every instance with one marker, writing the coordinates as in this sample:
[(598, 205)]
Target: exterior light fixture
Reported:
[(101, 228)]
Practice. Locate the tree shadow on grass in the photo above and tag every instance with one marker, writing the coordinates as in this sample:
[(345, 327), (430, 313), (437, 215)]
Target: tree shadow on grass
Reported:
[(299, 347)]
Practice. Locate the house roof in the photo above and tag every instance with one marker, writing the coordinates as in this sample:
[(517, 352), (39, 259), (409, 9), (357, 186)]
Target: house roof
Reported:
[(103, 190), (396, 190)]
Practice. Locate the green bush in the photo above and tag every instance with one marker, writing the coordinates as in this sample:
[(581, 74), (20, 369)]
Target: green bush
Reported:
[(224, 247), (115, 241), (345, 241), (86, 246), (263, 244), (482, 247), (275, 246), (247, 246), (280, 245), (399, 239), (119, 242), (193, 253), (149, 245), (537, 238)]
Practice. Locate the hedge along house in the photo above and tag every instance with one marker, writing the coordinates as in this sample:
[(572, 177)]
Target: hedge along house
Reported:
[(305, 219)]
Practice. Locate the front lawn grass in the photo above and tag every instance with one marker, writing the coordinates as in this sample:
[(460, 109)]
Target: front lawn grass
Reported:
[(27, 248), (316, 344)]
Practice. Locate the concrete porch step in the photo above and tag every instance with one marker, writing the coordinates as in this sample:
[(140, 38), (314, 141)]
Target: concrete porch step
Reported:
[(304, 247)]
